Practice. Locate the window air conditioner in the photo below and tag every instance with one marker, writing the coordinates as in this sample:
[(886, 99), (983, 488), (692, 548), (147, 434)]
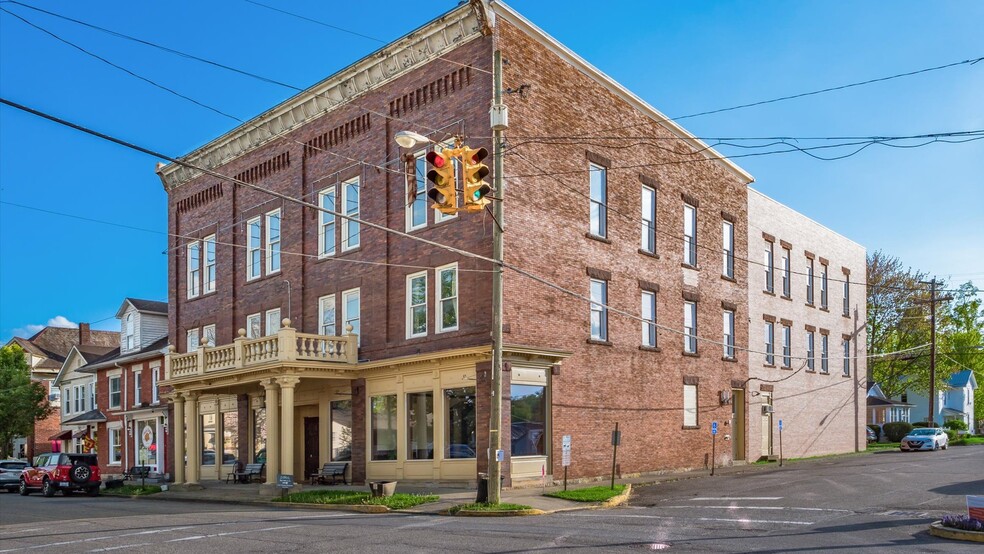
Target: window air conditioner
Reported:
[(767, 409)]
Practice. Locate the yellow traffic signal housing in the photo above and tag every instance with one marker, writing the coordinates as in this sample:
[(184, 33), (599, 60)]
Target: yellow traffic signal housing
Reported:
[(474, 173), (443, 178)]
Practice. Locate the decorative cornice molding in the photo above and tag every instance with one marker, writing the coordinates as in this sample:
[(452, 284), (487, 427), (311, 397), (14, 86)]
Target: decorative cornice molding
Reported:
[(398, 58)]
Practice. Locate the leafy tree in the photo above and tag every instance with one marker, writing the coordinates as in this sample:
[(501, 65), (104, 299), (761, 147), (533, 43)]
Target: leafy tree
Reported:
[(22, 400), (961, 345)]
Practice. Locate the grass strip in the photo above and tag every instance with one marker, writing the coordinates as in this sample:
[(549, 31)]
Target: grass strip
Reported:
[(133, 490), (395, 502), (590, 494), (967, 441), (486, 507)]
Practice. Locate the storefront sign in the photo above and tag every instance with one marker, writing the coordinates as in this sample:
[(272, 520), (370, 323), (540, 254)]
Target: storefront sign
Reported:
[(147, 436)]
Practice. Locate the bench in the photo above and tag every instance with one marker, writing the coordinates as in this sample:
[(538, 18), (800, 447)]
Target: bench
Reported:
[(247, 474), (137, 472), (334, 470)]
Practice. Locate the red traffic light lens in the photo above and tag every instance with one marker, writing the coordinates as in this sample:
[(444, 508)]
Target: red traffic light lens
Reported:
[(479, 155), (436, 159)]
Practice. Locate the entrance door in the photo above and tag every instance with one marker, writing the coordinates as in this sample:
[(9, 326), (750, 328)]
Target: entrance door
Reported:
[(738, 424), (311, 446)]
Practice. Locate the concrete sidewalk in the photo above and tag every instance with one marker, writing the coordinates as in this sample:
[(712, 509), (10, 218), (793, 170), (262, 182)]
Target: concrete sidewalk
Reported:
[(451, 495)]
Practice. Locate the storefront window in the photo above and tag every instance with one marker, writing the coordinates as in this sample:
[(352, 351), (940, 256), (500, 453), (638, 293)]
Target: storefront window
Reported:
[(147, 442), (208, 439), (529, 420), (341, 430), (259, 436), (459, 423), (230, 437), (420, 426), (383, 409)]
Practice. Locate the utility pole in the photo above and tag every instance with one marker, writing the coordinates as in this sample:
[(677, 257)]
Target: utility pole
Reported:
[(495, 415), (932, 349)]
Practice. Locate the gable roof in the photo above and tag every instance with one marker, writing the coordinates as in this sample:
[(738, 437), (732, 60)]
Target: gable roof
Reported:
[(114, 357), (141, 305), (963, 378), (86, 352), (55, 343)]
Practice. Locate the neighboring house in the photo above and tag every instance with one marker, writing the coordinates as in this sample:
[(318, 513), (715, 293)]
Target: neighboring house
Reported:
[(80, 416), (955, 402), (134, 428), (45, 352), (882, 409), (806, 291)]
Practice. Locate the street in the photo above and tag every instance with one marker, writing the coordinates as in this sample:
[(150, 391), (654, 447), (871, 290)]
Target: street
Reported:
[(875, 503)]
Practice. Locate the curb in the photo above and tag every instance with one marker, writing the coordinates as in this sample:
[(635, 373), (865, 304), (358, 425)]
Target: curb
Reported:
[(938, 530), (503, 513), (361, 508), (619, 499)]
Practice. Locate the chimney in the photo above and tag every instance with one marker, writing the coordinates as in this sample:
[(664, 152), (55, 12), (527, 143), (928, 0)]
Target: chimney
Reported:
[(85, 337)]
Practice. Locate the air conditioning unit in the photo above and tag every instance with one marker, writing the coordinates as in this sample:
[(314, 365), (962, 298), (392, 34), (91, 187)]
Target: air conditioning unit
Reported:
[(767, 409)]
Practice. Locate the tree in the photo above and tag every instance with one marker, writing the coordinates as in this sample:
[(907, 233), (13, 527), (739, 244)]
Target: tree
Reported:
[(961, 346), (23, 401)]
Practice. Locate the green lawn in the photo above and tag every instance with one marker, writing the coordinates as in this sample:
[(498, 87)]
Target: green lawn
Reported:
[(133, 490), (590, 494), (882, 445), (485, 507), (395, 502), (966, 441)]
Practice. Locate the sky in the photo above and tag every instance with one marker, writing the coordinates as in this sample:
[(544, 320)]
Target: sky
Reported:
[(83, 221)]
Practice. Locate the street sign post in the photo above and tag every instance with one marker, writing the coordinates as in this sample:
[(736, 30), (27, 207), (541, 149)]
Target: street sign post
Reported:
[(714, 432), (565, 448), (616, 439), (285, 482), (780, 443)]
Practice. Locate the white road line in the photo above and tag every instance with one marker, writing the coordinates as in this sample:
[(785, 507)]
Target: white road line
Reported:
[(21, 531), (737, 498), (109, 548), (227, 533), (758, 508), (105, 537), (323, 516), (737, 520)]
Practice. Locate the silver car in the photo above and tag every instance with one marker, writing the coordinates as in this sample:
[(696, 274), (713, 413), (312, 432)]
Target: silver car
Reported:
[(929, 438), (10, 472)]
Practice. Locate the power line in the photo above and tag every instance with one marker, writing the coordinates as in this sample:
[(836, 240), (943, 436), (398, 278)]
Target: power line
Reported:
[(371, 225)]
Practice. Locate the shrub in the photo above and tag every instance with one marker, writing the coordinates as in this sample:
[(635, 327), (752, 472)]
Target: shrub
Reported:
[(964, 523), (920, 424), (956, 425), (876, 429), (951, 435), (895, 430)]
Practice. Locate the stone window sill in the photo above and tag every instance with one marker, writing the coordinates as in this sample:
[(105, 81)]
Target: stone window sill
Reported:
[(691, 354), (650, 348), (597, 238), (599, 342), (648, 253)]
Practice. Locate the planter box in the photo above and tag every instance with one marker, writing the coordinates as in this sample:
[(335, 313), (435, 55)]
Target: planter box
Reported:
[(382, 488)]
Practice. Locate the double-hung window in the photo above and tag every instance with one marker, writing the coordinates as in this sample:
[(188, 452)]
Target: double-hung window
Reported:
[(272, 321), (155, 377), (417, 305), (847, 357), (648, 241), (254, 267), (809, 281), (326, 315), (92, 395), (136, 388), (599, 200), (193, 340), (728, 324), (728, 249), (690, 327), (824, 354), (115, 445), (447, 298), (770, 347), (599, 309), (823, 286), (114, 392), (273, 241), (351, 207), (648, 312), (690, 235), (810, 351), (209, 285), (351, 311), (130, 332), (417, 204), (769, 274), (254, 328), (194, 268), (68, 400), (690, 405), (208, 335), (847, 295), (787, 347), (785, 273), (326, 222)]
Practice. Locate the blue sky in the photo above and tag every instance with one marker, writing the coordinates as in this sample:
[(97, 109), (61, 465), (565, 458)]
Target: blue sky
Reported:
[(923, 205)]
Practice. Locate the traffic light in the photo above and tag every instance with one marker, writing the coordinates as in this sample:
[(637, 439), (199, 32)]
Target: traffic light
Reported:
[(442, 176), (476, 189)]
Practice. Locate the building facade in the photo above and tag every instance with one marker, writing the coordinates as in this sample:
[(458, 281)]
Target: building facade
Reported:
[(807, 363), (955, 402)]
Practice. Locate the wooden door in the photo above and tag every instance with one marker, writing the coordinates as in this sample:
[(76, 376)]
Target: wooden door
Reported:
[(311, 447)]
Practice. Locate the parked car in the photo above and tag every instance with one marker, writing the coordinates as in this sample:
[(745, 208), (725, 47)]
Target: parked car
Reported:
[(10, 472), (925, 438), (59, 471), (872, 436)]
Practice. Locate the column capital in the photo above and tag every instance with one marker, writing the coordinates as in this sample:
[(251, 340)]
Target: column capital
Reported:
[(191, 396), (288, 381), (269, 384)]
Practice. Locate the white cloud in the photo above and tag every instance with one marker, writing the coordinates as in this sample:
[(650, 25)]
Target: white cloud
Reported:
[(31, 329)]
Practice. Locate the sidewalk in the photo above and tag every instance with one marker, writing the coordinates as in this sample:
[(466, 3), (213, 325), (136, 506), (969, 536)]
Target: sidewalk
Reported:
[(219, 491)]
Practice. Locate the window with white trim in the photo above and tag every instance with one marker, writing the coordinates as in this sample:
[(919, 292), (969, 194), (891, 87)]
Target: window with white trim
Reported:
[(417, 208), (690, 235), (648, 313), (92, 395), (326, 222), (599, 309), (598, 194), (770, 346), (824, 354), (350, 204), (79, 399), (193, 340), (115, 445), (417, 305), (114, 392), (847, 357), (823, 286), (136, 388), (272, 321), (768, 263), (810, 351), (194, 276), (787, 348), (326, 315), (447, 298), (352, 311), (728, 249), (208, 335), (847, 295), (273, 241), (130, 332), (254, 265), (155, 390), (690, 327), (254, 326), (809, 281), (648, 241), (209, 285), (728, 324), (690, 405), (786, 277), (68, 400)]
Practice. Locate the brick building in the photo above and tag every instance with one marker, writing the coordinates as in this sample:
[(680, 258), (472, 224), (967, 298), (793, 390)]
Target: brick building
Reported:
[(805, 299), (302, 337)]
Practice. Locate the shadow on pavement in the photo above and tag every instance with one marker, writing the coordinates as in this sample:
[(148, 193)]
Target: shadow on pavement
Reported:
[(960, 489)]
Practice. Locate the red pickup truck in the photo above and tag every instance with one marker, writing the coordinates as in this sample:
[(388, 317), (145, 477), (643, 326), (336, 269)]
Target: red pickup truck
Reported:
[(59, 471)]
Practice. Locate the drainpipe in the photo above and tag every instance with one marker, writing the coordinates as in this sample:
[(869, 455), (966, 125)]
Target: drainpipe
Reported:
[(288, 300)]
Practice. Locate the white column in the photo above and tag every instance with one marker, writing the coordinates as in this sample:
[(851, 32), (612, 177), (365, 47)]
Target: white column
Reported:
[(192, 439), (287, 423), (272, 404), (178, 434)]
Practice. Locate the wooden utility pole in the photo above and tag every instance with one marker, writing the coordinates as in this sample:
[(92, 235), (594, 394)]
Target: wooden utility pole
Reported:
[(933, 300), (495, 415)]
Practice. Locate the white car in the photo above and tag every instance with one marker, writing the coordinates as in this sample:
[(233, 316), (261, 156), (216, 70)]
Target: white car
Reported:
[(928, 438)]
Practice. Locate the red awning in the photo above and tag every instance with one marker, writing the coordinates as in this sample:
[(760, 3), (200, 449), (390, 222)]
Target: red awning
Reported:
[(62, 436), (79, 434)]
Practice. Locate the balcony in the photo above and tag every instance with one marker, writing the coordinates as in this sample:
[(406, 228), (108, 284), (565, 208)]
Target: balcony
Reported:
[(286, 348)]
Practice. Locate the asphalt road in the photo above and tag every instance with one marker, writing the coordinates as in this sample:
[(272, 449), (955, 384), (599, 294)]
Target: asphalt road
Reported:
[(876, 503)]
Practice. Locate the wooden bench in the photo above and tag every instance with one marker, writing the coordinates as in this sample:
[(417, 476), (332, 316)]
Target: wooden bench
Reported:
[(334, 470), (247, 474), (137, 472)]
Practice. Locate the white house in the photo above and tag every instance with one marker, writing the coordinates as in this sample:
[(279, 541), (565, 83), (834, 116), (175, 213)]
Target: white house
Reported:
[(954, 402), (882, 409)]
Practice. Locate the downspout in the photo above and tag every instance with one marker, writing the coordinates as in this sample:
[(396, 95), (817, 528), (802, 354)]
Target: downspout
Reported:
[(126, 424)]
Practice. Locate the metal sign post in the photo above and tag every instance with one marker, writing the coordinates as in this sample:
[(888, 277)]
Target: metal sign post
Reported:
[(780, 443), (284, 481), (714, 432), (566, 456), (616, 439)]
